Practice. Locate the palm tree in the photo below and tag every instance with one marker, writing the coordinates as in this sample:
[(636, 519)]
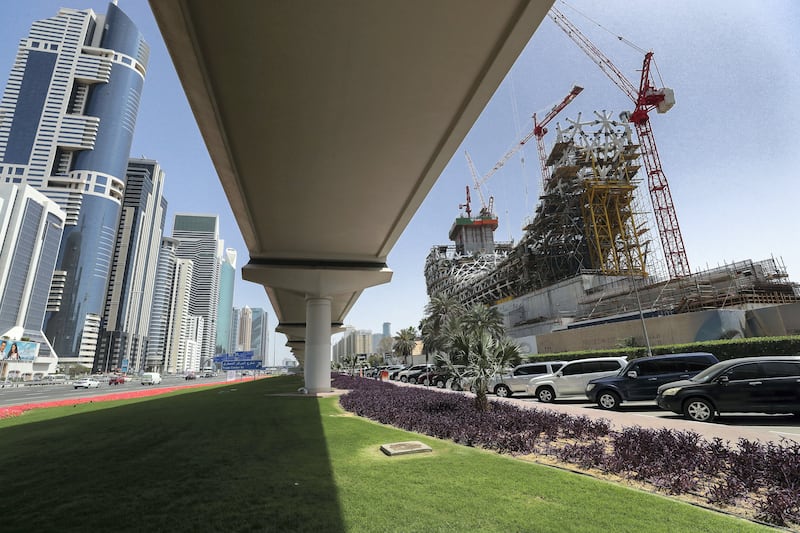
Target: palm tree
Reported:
[(438, 311), (404, 343), (481, 318), (477, 349)]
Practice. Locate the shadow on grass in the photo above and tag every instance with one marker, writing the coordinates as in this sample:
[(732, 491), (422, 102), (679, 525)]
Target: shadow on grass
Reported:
[(233, 458)]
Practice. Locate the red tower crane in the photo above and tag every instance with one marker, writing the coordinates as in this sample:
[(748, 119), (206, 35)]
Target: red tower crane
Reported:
[(646, 98)]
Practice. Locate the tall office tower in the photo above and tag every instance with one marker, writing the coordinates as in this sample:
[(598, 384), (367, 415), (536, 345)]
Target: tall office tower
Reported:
[(30, 233), (227, 279), (66, 126), (170, 320), (245, 328), (129, 299), (236, 313), (198, 240), (259, 337), (387, 329)]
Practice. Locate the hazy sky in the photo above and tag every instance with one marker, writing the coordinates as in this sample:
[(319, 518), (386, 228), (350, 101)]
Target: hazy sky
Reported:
[(728, 147)]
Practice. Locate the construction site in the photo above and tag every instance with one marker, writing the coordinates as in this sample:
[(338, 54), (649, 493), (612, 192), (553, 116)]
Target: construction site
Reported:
[(601, 262)]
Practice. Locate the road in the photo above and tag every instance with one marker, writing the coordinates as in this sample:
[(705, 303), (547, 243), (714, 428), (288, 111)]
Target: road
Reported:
[(18, 395)]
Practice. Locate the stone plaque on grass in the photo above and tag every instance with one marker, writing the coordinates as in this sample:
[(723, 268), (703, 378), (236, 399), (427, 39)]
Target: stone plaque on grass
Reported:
[(403, 448)]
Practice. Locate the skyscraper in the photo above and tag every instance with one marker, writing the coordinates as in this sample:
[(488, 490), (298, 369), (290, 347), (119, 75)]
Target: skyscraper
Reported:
[(129, 299), (227, 279), (66, 125), (30, 232), (198, 240), (245, 329), (172, 328), (259, 336)]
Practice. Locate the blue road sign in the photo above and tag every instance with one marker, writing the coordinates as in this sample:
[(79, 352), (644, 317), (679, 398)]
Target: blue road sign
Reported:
[(243, 364)]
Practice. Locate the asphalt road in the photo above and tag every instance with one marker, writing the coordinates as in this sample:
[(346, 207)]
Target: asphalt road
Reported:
[(17, 395)]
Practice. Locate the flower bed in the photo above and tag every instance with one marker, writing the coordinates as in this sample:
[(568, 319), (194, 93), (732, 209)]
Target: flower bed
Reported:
[(764, 478)]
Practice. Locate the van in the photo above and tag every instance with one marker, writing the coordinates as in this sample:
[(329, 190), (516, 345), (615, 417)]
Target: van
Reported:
[(151, 378), (640, 379)]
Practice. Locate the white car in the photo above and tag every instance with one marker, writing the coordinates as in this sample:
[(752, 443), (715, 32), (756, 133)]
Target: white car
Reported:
[(572, 378), (517, 380), (86, 383)]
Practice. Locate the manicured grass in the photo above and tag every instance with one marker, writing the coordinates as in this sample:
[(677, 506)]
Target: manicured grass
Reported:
[(239, 458)]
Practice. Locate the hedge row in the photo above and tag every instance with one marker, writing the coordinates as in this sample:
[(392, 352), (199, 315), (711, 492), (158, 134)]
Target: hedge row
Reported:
[(765, 477), (723, 349)]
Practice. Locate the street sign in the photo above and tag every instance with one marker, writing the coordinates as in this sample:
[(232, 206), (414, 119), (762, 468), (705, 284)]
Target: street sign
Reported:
[(243, 364)]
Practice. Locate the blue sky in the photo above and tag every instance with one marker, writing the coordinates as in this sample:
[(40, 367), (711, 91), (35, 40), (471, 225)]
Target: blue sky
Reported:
[(728, 147)]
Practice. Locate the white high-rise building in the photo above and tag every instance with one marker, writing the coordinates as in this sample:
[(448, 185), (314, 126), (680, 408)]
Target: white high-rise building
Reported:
[(198, 240), (30, 232), (245, 329)]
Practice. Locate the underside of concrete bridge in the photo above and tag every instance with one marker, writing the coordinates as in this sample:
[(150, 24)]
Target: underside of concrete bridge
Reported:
[(313, 110)]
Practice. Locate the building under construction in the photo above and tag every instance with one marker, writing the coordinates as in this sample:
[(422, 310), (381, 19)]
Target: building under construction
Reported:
[(586, 269)]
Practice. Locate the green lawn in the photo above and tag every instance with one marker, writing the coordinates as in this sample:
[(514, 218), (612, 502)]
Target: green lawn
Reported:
[(239, 458)]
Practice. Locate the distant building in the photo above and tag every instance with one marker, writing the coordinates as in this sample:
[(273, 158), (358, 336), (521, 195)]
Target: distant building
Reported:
[(245, 328), (227, 281), (172, 327), (354, 342), (387, 329), (129, 299), (259, 335), (30, 232), (198, 240)]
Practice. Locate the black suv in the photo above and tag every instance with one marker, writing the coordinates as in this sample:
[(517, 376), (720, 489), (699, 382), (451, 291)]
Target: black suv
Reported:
[(640, 379), (767, 384)]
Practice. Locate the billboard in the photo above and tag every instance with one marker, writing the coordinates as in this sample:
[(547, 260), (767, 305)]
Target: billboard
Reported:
[(11, 350)]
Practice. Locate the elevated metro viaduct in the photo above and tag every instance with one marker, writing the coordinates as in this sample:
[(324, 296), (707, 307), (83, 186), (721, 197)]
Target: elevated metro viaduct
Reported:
[(308, 104)]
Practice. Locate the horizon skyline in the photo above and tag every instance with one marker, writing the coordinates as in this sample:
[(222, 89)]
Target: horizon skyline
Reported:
[(725, 147)]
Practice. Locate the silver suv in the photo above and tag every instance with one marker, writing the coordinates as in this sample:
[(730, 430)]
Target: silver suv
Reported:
[(571, 379), (517, 380)]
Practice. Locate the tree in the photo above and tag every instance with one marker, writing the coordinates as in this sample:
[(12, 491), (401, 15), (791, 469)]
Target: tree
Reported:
[(385, 346), (404, 343), (375, 360), (477, 349)]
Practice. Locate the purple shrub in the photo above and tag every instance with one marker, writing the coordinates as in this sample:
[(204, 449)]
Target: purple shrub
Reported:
[(585, 455), (780, 506), (726, 492)]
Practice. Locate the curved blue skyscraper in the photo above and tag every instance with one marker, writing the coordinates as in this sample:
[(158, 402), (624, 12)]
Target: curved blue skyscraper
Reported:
[(66, 125)]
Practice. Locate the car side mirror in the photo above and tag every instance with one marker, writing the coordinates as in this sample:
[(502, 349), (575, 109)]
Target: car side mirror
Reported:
[(558, 374), (723, 379), (632, 374)]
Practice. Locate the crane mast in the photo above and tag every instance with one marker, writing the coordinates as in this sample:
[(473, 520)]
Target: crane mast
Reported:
[(646, 98)]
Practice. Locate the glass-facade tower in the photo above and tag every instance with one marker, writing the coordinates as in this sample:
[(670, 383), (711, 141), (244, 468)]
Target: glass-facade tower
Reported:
[(67, 119)]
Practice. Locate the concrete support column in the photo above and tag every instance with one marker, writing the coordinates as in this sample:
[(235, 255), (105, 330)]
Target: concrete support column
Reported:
[(318, 345)]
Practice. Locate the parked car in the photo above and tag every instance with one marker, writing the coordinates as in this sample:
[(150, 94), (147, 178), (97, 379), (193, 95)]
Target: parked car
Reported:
[(395, 369), (190, 375), (86, 383), (766, 384), (572, 378), (442, 377), (403, 374), (116, 380), (640, 378), (516, 381), (420, 375)]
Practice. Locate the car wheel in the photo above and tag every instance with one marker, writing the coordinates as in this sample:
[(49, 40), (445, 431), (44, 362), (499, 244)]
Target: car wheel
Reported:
[(424, 381), (608, 399), (403, 379), (440, 384), (413, 381), (76, 388), (699, 410), (456, 385), (502, 391), (546, 395)]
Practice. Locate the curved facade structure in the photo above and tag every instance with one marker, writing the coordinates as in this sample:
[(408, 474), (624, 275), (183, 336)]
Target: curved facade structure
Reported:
[(67, 119)]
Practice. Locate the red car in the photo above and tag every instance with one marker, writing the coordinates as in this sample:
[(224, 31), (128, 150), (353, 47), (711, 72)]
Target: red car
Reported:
[(116, 380)]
